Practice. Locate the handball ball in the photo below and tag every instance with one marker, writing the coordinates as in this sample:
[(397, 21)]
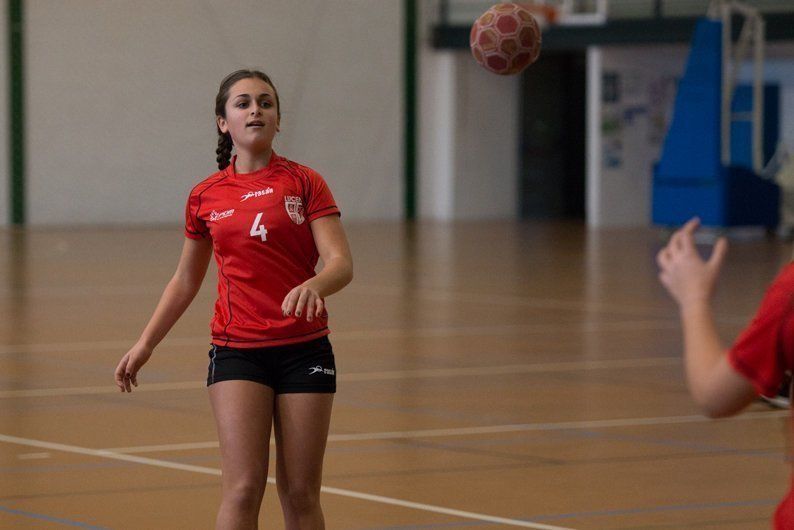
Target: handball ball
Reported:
[(505, 39)]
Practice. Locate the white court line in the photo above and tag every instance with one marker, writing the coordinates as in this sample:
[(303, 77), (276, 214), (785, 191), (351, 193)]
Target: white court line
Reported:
[(585, 306), (376, 376), (440, 331), (325, 489), (486, 429)]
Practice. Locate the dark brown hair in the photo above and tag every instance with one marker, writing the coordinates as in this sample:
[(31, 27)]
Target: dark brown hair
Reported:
[(224, 150)]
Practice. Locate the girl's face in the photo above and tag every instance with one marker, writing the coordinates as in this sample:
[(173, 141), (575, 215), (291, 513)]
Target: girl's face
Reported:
[(251, 115)]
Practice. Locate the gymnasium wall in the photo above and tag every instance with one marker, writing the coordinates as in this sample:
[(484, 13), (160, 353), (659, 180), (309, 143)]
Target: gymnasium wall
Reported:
[(487, 143), (5, 172), (467, 134), (634, 122), (121, 95), (637, 95)]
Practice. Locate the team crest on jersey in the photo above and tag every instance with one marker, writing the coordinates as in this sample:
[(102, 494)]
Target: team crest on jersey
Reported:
[(294, 206), (217, 216)]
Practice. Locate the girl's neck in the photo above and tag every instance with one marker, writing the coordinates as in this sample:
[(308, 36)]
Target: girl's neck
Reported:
[(247, 162)]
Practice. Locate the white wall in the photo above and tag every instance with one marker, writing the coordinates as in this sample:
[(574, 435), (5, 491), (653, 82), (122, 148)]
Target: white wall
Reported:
[(121, 96), (468, 134), (486, 184), (632, 130), (5, 169)]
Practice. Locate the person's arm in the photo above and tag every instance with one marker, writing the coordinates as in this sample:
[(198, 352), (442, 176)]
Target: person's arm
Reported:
[(714, 384), (176, 297), (337, 272)]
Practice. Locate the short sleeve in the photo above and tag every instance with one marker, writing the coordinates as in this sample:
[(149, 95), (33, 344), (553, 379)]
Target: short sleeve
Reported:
[(762, 353), (195, 227), (319, 200)]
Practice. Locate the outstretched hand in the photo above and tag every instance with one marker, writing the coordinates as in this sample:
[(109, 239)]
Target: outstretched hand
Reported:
[(687, 277)]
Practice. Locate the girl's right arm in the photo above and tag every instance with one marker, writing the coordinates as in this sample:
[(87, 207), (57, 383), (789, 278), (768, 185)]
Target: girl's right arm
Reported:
[(715, 385), (178, 294)]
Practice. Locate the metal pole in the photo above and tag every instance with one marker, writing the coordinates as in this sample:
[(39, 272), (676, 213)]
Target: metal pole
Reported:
[(410, 109), (727, 89), (758, 95), (16, 109)]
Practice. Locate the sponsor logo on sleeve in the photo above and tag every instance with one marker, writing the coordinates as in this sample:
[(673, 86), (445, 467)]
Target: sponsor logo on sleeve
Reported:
[(217, 216)]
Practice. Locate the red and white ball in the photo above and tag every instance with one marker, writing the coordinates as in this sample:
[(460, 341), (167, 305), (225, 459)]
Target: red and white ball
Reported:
[(505, 39)]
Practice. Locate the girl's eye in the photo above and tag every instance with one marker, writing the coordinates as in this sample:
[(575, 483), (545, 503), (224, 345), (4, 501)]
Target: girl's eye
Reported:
[(241, 105)]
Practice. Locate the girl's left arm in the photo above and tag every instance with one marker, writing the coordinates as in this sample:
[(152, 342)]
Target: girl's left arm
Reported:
[(337, 272)]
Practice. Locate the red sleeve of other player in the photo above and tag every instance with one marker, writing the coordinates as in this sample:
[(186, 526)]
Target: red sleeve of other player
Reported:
[(763, 351)]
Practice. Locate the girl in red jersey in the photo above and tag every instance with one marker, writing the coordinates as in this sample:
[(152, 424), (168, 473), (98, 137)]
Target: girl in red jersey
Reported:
[(267, 220), (723, 383)]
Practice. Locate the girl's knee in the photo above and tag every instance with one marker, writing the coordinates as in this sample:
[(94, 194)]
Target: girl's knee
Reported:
[(246, 494), (301, 498)]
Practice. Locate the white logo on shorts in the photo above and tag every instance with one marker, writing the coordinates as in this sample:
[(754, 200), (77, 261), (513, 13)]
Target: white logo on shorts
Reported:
[(320, 370)]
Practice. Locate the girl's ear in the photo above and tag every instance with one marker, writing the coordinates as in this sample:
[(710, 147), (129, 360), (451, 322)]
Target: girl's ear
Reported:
[(278, 124), (222, 125)]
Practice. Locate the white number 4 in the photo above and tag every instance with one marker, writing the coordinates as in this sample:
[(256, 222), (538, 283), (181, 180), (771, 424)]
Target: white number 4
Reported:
[(259, 230)]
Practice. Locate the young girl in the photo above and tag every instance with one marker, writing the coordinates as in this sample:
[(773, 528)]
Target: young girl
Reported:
[(723, 383), (267, 220)]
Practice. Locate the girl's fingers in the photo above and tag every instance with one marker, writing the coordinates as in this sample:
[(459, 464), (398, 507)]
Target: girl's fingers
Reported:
[(301, 302), (120, 370), (691, 225), (289, 304), (310, 308), (318, 308), (663, 258), (718, 254)]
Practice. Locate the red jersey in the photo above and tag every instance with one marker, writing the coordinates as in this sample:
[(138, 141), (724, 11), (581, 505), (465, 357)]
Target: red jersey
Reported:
[(259, 226), (765, 351)]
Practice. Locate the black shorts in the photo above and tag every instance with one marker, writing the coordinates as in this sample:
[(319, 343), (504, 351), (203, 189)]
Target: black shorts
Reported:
[(303, 367)]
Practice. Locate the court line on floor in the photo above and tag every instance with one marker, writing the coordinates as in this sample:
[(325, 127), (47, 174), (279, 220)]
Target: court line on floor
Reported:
[(425, 373), (440, 331), (103, 453), (485, 429), (50, 519)]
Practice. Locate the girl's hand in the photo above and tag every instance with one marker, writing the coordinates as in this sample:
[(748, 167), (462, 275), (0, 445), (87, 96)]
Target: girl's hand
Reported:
[(302, 300), (127, 369), (686, 276)]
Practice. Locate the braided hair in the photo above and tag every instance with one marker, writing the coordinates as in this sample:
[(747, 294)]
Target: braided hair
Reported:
[(225, 144)]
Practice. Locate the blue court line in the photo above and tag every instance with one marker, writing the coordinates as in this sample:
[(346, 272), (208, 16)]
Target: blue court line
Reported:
[(434, 525), (42, 517), (656, 509), (603, 513), (700, 447)]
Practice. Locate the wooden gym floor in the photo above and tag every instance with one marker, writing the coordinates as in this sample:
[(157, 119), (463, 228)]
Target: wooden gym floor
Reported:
[(491, 375)]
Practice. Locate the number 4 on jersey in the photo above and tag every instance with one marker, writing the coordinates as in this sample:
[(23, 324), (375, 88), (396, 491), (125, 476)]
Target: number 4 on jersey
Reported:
[(259, 230)]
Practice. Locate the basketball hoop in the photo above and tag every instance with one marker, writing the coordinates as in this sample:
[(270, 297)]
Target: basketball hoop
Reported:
[(545, 14)]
